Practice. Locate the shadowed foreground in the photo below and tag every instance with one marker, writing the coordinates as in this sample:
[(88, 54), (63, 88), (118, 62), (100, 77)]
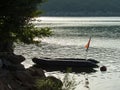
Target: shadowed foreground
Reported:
[(13, 75)]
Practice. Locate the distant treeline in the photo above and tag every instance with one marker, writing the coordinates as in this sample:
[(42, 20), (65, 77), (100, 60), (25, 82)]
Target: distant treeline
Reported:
[(81, 8)]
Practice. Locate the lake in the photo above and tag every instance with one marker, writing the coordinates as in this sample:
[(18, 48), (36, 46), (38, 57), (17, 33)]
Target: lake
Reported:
[(70, 34)]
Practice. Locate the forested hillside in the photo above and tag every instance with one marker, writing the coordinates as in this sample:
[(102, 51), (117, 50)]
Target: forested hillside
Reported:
[(81, 8)]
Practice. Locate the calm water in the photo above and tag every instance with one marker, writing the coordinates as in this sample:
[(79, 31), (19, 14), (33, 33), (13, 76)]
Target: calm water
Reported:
[(70, 36)]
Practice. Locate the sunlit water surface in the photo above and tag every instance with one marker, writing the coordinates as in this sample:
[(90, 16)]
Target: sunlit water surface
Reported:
[(70, 34)]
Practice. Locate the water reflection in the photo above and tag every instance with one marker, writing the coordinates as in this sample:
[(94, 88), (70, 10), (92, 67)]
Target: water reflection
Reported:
[(86, 82)]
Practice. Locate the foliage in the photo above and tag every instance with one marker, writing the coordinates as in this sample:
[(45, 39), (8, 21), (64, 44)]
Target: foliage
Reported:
[(51, 83), (48, 84), (69, 82), (14, 21)]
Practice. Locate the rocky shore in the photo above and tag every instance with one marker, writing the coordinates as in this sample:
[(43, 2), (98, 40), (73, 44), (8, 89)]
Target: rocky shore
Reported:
[(13, 75)]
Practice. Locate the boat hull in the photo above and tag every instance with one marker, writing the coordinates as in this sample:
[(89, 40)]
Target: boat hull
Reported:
[(65, 62)]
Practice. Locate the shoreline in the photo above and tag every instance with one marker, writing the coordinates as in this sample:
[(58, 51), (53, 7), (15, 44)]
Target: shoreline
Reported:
[(14, 76)]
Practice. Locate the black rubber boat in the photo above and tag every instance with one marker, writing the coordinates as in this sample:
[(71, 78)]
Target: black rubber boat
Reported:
[(66, 62)]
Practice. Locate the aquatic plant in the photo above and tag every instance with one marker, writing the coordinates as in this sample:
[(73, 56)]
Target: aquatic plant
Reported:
[(69, 82)]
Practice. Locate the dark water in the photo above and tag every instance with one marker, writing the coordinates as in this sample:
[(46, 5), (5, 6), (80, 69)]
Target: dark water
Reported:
[(70, 36)]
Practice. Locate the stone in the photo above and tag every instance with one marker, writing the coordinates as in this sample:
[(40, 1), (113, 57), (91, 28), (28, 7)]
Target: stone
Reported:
[(2, 86), (10, 81), (24, 77), (12, 78), (10, 66), (36, 72), (1, 63), (15, 59), (19, 67)]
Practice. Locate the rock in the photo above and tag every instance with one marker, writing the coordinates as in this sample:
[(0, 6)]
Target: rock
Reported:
[(36, 72), (10, 80), (6, 63), (19, 67), (25, 78), (3, 86), (7, 81), (15, 59), (28, 77), (16, 67), (10, 66), (1, 63), (13, 76)]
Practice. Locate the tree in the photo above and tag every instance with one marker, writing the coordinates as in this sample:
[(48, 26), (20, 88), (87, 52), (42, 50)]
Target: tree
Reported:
[(15, 26)]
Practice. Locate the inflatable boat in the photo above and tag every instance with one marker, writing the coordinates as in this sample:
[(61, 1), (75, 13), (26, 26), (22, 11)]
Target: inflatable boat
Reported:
[(66, 62)]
